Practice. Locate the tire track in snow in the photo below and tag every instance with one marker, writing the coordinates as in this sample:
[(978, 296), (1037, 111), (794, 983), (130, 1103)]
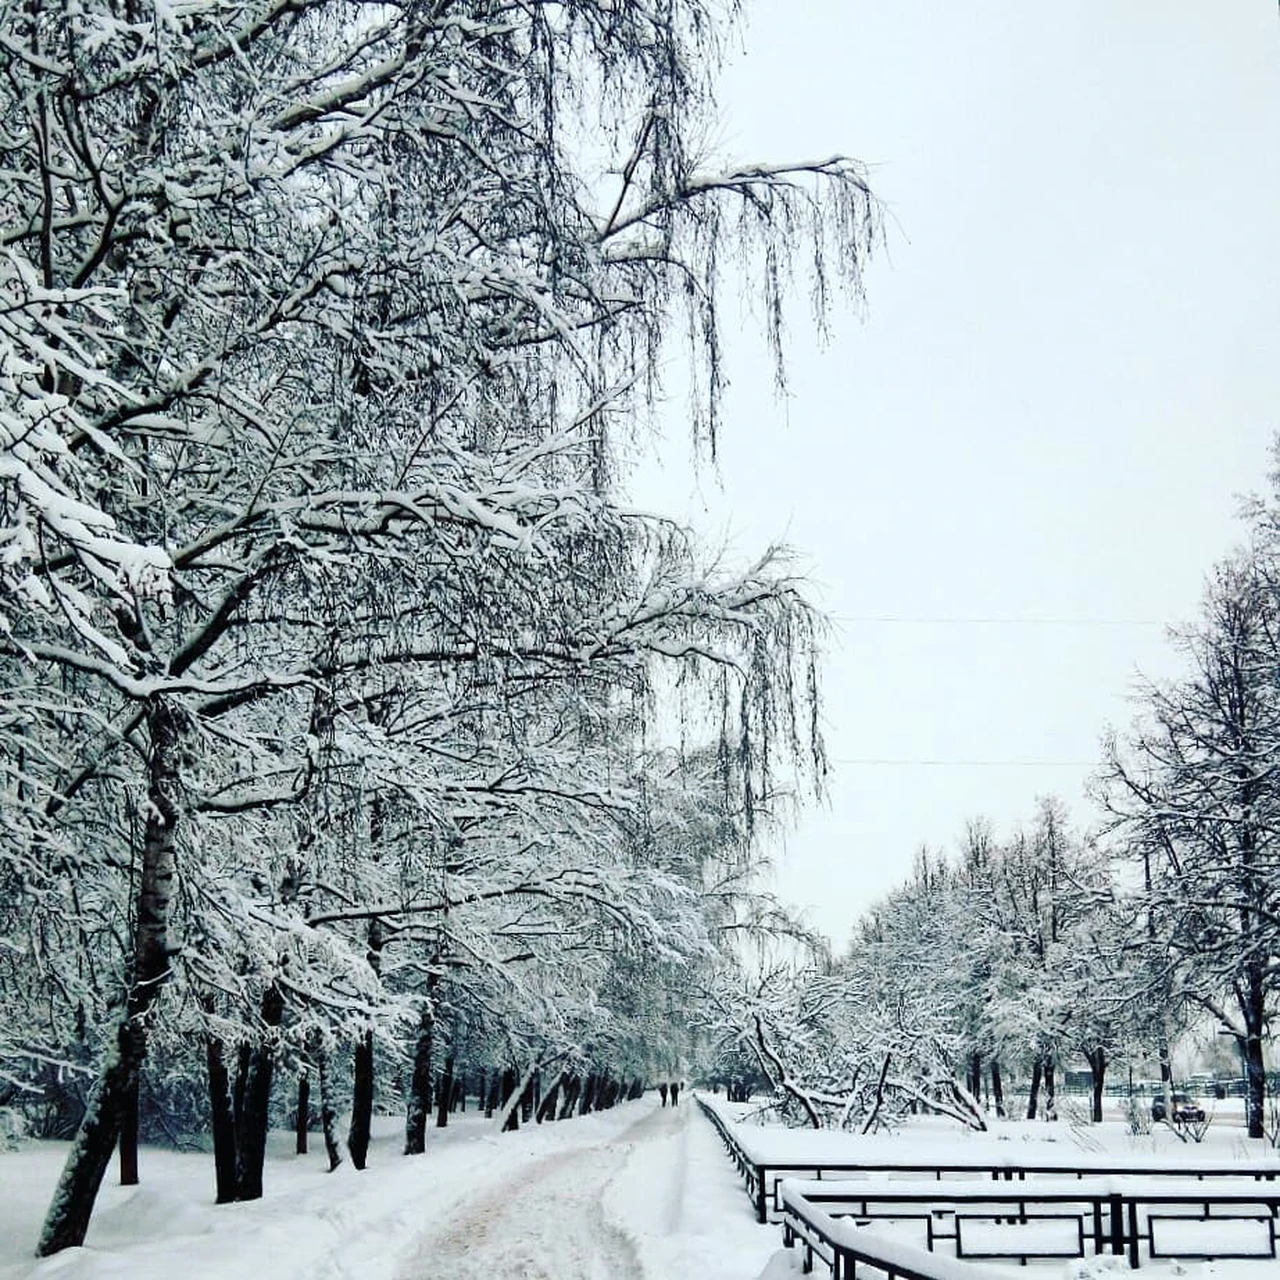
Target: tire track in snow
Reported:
[(546, 1222)]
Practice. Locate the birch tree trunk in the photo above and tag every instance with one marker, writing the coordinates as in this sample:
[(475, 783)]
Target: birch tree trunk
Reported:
[(547, 1107), (67, 1220), (509, 1116), (328, 1113), (418, 1103)]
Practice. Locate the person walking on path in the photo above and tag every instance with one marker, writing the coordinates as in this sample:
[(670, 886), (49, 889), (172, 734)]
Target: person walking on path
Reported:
[(662, 1089)]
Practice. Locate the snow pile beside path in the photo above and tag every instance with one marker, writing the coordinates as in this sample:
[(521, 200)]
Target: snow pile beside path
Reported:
[(783, 1265), (682, 1203)]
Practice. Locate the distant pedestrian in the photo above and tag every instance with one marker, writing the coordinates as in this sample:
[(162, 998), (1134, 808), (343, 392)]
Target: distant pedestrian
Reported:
[(662, 1089), (675, 1093)]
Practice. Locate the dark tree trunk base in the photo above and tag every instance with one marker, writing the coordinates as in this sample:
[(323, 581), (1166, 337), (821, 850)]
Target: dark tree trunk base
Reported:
[(129, 1136), (1033, 1098), (445, 1094), (997, 1089), (1097, 1060), (418, 1104), (221, 1122), (303, 1115), (255, 1108), (361, 1101), (328, 1115)]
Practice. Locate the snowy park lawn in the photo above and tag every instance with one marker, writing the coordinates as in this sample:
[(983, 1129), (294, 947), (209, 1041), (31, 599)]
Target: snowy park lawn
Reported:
[(1069, 1141)]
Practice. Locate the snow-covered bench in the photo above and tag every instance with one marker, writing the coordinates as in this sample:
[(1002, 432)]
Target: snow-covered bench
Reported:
[(1047, 1218)]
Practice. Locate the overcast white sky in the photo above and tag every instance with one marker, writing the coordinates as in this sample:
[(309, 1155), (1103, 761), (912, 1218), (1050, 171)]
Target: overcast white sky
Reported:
[(1067, 371)]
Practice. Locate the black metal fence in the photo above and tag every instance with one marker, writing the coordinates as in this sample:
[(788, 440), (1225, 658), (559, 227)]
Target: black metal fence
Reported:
[(1107, 1205)]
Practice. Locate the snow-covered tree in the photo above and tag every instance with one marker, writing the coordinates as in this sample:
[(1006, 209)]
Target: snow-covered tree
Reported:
[(1193, 789), (326, 330)]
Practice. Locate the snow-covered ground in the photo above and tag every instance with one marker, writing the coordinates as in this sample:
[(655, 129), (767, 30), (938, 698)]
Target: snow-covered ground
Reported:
[(1071, 1140), (638, 1193), (641, 1192)]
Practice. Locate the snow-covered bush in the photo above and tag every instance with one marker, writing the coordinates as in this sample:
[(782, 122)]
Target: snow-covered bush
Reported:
[(1137, 1117)]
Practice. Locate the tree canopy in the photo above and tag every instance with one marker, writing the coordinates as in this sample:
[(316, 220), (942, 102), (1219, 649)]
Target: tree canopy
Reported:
[(347, 702)]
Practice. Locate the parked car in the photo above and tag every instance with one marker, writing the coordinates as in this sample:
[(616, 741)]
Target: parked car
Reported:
[(1184, 1110)]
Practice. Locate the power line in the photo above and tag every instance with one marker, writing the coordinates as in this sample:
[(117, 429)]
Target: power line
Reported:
[(916, 762), (904, 620)]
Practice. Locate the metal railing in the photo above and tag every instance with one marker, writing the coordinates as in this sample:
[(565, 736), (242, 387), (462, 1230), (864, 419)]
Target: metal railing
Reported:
[(1114, 1202), (763, 1175), (1118, 1215)]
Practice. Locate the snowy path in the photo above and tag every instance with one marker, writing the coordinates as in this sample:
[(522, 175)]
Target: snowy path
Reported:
[(549, 1221), (615, 1210)]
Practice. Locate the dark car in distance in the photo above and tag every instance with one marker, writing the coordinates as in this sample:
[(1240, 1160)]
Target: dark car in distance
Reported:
[(1184, 1110)]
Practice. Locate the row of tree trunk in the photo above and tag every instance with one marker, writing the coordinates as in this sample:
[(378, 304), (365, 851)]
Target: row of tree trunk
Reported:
[(1041, 1098), (239, 1107), (974, 1083), (239, 1104)]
